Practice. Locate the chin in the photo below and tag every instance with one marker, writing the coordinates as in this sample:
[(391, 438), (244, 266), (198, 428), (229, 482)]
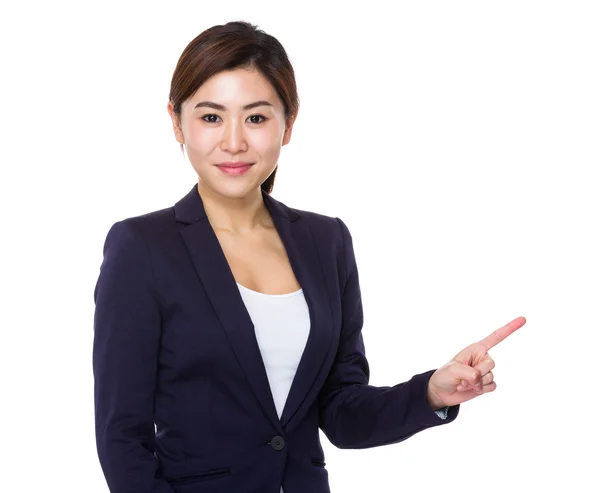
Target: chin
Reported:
[(235, 190)]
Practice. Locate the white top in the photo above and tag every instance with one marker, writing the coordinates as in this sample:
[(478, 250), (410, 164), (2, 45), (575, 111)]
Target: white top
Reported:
[(281, 324)]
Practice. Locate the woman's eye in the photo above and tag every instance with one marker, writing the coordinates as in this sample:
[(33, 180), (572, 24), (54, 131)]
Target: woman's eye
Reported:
[(258, 116), (209, 116)]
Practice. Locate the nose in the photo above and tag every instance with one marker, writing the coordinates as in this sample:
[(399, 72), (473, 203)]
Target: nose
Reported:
[(234, 139)]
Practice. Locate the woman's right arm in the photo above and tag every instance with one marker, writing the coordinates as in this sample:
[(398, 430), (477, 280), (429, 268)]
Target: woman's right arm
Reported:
[(127, 325)]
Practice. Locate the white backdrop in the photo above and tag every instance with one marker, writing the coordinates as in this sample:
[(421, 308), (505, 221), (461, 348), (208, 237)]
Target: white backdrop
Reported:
[(459, 141)]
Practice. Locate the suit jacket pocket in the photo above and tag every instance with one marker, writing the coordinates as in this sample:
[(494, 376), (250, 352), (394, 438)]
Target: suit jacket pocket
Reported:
[(318, 461), (201, 476)]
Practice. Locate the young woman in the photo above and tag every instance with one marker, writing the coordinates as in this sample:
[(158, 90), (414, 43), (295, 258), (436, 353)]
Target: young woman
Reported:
[(228, 327)]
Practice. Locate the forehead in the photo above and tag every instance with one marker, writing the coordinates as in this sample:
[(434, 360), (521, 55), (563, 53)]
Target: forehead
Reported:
[(238, 86)]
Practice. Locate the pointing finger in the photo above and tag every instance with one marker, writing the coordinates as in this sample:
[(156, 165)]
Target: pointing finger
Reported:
[(503, 332)]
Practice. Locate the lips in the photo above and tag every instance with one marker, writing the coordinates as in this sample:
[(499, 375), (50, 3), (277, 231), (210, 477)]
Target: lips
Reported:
[(236, 164), (234, 168)]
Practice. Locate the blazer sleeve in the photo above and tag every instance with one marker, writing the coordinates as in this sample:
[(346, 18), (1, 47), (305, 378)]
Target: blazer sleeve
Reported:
[(127, 325), (354, 414)]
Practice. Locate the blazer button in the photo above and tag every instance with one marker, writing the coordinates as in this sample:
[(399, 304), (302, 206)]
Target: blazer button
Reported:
[(277, 443)]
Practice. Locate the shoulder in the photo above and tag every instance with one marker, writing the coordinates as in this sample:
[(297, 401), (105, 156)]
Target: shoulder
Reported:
[(152, 219), (135, 234), (322, 224), (146, 223), (326, 228)]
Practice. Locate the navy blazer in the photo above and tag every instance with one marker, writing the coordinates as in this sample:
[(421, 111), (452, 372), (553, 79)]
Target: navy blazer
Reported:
[(182, 399)]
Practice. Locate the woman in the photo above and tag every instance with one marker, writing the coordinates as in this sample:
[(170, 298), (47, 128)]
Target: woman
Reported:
[(228, 327)]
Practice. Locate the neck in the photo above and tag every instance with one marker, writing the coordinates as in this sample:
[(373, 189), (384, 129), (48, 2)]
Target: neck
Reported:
[(235, 214)]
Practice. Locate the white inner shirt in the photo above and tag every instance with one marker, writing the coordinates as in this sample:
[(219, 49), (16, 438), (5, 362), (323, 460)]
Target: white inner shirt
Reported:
[(281, 325)]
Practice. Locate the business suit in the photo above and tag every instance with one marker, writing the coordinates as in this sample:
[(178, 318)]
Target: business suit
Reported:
[(174, 345)]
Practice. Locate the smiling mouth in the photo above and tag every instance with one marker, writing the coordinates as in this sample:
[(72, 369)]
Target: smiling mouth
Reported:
[(238, 164), (235, 170)]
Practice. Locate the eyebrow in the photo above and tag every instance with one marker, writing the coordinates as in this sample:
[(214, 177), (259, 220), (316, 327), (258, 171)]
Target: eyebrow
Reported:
[(220, 107)]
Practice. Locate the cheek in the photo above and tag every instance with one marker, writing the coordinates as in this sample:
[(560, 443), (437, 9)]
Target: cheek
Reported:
[(201, 139), (266, 143)]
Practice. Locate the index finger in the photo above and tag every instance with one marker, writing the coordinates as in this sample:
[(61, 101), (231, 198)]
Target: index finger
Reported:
[(503, 332)]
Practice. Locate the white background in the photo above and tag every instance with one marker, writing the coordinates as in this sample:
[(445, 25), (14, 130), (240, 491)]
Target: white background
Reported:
[(459, 141)]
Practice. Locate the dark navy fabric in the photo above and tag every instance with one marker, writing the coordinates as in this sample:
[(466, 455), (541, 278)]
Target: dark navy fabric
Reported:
[(182, 399)]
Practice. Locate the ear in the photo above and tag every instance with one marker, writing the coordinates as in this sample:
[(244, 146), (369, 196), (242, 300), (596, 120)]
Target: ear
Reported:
[(176, 123), (287, 135)]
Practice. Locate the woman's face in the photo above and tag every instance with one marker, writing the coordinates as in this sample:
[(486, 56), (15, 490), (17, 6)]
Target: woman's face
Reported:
[(216, 128)]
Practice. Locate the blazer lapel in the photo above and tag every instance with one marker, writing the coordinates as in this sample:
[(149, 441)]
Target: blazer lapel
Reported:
[(219, 283)]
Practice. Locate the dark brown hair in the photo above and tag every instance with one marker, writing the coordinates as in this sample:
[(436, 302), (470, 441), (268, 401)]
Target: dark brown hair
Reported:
[(236, 44)]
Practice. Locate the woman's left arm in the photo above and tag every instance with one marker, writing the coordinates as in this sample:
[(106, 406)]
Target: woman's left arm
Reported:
[(354, 414)]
